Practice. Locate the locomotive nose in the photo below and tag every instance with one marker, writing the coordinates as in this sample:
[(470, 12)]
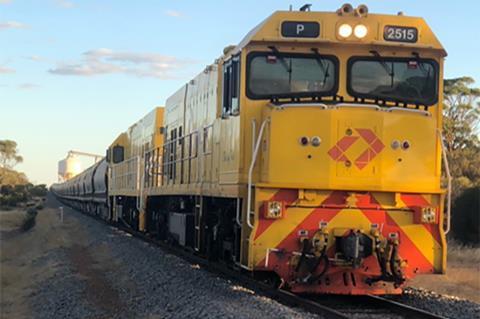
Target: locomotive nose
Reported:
[(347, 147)]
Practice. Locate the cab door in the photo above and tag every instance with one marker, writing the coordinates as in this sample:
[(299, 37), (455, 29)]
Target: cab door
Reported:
[(230, 122)]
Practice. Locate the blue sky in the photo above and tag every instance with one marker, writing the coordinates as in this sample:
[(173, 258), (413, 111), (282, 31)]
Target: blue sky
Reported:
[(74, 74)]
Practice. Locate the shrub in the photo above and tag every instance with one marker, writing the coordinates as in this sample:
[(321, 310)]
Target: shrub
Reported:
[(29, 220), (6, 189), (466, 217), (39, 190)]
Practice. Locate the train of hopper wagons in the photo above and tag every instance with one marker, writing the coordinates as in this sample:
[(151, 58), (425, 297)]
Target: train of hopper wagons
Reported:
[(309, 155)]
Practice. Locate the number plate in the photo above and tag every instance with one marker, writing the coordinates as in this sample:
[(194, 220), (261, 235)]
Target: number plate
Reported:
[(300, 29), (400, 34)]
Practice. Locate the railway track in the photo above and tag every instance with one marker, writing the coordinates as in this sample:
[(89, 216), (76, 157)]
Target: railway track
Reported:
[(327, 306), (372, 307)]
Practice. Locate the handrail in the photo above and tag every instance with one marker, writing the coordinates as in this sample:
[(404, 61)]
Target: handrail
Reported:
[(357, 105), (250, 171), (237, 217), (449, 180), (254, 133), (139, 184), (404, 109), (287, 105), (352, 105)]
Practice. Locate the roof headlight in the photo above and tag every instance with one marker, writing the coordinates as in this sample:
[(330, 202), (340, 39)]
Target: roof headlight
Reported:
[(360, 31), (345, 30)]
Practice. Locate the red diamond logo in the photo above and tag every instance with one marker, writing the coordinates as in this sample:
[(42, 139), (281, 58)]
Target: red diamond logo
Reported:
[(375, 146)]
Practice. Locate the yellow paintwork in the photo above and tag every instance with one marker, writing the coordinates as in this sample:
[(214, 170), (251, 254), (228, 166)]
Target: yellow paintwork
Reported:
[(345, 219), (268, 30), (390, 170), (213, 153), (139, 139), (421, 238)]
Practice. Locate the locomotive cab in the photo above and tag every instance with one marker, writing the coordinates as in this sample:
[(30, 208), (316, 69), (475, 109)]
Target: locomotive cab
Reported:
[(341, 120)]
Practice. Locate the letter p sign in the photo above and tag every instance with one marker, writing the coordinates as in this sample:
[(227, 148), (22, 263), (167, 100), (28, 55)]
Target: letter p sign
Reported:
[(300, 28)]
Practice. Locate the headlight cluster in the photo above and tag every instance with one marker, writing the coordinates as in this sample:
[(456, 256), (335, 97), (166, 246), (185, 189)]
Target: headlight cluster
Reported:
[(273, 210), (360, 31)]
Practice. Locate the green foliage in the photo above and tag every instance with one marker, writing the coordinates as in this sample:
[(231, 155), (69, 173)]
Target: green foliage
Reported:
[(39, 190), (11, 195), (11, 177), (14, 186), (9, 156), (466, 221), (29, 220), (460, 129)]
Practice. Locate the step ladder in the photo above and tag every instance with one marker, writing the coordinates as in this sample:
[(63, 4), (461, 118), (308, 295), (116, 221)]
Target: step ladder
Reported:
[(198, 210)]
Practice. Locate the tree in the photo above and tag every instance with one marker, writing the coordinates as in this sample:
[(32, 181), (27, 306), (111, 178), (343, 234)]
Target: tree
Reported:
[(460, 129), (12, 177), (466, 221), (9, 156)]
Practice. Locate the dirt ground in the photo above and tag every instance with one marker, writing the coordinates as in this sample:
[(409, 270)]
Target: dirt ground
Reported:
[(23, 264), (23, 261), (17, 271), (463, 274)]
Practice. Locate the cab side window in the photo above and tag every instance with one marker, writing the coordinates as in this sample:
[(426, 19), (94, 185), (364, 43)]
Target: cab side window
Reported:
[(231, 87)]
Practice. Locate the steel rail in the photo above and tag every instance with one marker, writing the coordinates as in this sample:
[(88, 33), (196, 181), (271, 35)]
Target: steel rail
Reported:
[(406, 310)]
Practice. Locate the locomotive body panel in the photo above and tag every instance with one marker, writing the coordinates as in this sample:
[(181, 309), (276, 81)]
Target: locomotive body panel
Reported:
[(359, 148)]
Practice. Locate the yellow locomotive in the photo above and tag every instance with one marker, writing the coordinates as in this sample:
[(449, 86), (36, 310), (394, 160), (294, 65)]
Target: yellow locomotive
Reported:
[(309, 154)]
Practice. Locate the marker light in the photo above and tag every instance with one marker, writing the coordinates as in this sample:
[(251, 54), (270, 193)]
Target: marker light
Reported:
[(304, 141), (316, 141), (360, 31), (395, 144), (345, 30)]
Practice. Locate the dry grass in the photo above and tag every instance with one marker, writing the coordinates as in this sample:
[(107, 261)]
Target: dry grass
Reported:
[(459, 254), (25, 260), (463, 274), (18, 252)]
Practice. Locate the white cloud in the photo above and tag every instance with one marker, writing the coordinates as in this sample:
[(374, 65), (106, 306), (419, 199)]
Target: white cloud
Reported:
[(65, 4), (174, 13), (12, 25), (107, 61), (28, 86), (4, 70), (36, 58)]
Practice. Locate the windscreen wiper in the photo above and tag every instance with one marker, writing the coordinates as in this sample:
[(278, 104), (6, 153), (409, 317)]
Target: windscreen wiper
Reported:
[(385, 66), (425, 72), (420, 64), (282, 59), (320, 62)]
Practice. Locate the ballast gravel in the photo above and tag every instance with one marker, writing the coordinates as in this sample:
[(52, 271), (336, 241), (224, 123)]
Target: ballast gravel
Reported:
[(442, 305), (108, 273), (61, 296), (147, 282)]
